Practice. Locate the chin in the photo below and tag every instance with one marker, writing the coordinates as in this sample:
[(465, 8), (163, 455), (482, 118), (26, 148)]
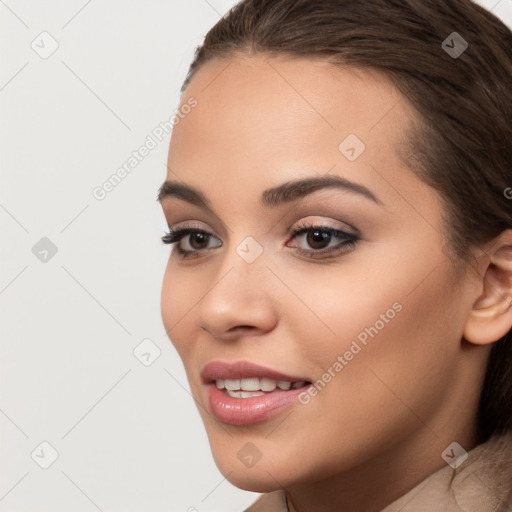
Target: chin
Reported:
[(254, 482), (266, 475)]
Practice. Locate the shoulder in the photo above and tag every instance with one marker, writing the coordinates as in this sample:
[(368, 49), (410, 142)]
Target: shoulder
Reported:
[(481, 481), (270, 502), (487, 479)]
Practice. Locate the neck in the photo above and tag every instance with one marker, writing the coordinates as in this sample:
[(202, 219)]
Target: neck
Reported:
[(378, 482)]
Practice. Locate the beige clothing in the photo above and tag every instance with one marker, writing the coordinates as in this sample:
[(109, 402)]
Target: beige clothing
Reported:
[(482, 483)]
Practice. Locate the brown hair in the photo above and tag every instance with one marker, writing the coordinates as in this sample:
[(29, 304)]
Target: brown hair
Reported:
[(462, 145)]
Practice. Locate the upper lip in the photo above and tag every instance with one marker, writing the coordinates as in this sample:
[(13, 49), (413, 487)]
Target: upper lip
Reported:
[(242, 370)]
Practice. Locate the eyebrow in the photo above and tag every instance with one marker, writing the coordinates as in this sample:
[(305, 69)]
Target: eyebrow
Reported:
[(271, 197)]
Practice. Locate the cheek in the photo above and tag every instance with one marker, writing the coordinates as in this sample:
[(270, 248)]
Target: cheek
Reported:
[(398, 344), (398, 374), (388, 300), (330, 306), (179, 294)]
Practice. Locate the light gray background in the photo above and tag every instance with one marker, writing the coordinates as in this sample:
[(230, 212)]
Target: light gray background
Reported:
[(128, 436)]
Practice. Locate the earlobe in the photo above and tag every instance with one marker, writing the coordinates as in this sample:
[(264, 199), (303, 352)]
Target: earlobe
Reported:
[(490, 317)]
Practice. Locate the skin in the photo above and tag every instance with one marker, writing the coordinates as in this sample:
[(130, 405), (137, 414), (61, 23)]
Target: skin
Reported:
[(383, 421)]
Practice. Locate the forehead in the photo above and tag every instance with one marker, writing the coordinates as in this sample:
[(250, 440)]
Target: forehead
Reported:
[(286, 92), (263, 120)]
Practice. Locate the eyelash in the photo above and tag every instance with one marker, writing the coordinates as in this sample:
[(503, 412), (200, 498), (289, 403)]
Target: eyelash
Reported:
[(350, 240)]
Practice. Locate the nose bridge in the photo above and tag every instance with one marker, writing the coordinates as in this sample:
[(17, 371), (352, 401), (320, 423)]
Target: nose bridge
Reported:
[(244, 269), (240, 293)]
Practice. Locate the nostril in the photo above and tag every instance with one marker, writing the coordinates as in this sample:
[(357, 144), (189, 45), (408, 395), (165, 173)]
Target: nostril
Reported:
[(240, 329)]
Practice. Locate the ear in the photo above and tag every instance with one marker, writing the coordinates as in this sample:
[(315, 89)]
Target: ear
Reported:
[(491, 315)]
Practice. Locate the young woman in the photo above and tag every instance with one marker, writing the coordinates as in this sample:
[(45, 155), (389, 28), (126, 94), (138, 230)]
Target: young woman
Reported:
[(340, 284)]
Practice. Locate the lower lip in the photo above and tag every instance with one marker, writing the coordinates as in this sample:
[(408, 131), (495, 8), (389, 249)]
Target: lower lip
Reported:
[(244, 411)]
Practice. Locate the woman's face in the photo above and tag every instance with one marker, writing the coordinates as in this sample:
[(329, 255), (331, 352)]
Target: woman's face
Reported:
[(375, 325)]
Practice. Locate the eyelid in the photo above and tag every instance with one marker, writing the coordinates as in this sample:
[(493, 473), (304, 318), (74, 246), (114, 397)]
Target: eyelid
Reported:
[(303, 223), (309, 223)]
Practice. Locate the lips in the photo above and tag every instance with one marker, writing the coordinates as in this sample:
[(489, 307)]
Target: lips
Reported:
[(243, 369), (248, 407)]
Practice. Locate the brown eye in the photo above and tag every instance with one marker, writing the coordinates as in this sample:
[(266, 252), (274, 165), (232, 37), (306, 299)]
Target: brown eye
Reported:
[(198, 239), (319, 237)]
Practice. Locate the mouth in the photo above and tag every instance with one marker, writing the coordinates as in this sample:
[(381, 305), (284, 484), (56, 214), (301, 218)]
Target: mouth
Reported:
[(254, 386), (243, 393)]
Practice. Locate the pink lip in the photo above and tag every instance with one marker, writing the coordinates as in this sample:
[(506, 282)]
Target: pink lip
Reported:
[(242, 369), (245, 411)]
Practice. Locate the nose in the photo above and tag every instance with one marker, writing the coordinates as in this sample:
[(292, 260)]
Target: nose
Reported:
[(240, 301)]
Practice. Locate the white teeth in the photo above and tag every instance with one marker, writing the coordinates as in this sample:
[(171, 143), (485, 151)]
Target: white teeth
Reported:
[(252, 384), (268, 384), (232, 384), (256, 384), (244, 394)]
